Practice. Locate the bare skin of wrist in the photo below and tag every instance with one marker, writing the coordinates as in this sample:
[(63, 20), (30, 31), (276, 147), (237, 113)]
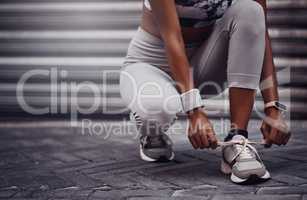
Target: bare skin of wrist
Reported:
[(272, 111)]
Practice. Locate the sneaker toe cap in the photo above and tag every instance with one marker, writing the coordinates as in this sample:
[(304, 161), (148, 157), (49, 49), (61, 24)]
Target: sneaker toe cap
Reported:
[(248, 168)]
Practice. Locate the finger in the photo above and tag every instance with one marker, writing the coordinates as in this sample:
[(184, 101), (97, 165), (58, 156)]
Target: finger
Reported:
[(279, 132), (265, 129), (194, 144), (288, 135), (205, 140), (191, 138), (275, 136), (284, 130), (200, 141), (197, 139), (283, 136), (212, 140)]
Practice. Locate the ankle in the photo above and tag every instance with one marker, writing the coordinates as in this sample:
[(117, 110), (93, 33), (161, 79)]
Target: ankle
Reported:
[(234, 132)]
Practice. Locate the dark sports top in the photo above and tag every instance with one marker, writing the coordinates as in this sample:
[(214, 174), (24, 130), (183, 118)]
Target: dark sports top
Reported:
[(198, 13)]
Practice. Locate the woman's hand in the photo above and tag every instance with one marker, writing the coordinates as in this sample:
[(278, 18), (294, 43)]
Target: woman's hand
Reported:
[(274, 129), (201, 133)]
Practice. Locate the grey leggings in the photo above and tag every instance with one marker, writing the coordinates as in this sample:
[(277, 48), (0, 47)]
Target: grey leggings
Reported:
[(231, 57)]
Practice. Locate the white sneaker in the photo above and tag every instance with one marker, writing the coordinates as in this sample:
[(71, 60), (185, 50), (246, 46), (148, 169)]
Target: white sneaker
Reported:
[(156, 148), (153, 147), (242, 161)]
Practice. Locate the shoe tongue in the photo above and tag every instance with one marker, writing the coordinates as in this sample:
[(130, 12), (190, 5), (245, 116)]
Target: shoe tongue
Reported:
[(242, 156), (238, 137)]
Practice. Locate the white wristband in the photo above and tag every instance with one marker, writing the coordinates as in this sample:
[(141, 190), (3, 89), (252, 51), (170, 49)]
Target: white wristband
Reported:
[(191, 99)]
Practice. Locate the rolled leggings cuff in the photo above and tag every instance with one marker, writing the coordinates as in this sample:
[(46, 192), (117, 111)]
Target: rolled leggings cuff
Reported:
[(243, 81)]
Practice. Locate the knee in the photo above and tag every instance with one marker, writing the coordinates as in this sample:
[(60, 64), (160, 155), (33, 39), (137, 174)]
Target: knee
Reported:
[(251, 18), (161, 110), (156, 99)]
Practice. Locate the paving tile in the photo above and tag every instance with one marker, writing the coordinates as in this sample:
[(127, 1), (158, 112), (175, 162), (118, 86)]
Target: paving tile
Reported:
[(168, 198), (207, 190), (290, 179), (113, 194), (8, 192), (283, 190), (255, 197)]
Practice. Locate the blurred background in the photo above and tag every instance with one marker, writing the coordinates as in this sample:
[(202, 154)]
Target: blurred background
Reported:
[(74, 42), (59, 58)]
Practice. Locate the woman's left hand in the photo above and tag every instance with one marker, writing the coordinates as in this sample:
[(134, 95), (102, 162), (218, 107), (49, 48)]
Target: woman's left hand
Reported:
[(274, 129)]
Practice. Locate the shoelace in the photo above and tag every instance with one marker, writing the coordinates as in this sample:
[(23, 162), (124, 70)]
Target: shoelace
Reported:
[(242, 142), (246, 149)]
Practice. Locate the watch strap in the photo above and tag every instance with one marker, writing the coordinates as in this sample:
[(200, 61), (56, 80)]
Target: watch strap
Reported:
[(275, 104)]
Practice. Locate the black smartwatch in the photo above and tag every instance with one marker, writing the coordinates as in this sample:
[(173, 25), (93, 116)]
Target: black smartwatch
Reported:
[(277, 105)]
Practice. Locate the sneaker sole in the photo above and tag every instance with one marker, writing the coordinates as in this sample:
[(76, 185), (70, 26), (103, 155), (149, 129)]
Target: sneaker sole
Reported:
[(149, 159), (253, 178)]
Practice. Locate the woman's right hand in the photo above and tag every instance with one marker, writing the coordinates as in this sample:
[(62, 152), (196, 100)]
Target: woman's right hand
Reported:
[(201, 133)]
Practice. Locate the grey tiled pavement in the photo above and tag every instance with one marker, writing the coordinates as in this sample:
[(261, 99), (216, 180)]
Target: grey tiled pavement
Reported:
[(51, 160)]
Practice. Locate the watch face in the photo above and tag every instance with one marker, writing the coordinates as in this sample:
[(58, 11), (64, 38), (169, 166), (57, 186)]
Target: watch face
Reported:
[(280, 106)]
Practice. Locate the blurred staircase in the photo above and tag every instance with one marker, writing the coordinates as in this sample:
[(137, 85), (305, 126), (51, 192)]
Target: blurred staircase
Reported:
[(78, 41)]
